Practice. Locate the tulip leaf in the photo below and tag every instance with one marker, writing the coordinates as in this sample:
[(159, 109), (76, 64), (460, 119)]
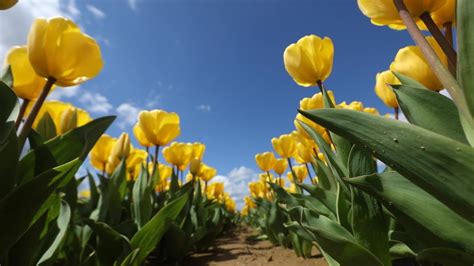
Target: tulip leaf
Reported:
[(430, 110), (9, 157), (414, 207), (142, 204), (46, 128), (26, 203), (327, 197), (409, 82), (63, 148), (146, 239), (6, 75), (444, 256), (62, 223), (438, 164), (465, 41), (8, 103)]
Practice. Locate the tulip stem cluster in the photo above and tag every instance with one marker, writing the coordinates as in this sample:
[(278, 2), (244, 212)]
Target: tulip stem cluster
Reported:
[(440, 38), (25, 130), (448, 81)]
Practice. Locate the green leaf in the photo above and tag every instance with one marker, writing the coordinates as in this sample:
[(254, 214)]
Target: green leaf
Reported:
[(111, 245), (426, 218), (46, 127), (465, 42), (9, 157), (6, 75), (142, 204), (8, 102), (438, 164), (146, 239), (25, 204), (444, 256), (64, 148), (63, 223), (409, 82), (430, 110)]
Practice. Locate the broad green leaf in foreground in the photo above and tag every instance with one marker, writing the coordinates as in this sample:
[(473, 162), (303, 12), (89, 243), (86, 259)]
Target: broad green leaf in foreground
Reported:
[(413, 207), (441, 166)]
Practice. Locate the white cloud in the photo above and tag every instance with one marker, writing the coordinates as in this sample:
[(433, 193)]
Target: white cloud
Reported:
[(99, 14), (204, 107), (62, 93), (15, 22), (132, 4), (95, 102), (236, 183), (127, 115)]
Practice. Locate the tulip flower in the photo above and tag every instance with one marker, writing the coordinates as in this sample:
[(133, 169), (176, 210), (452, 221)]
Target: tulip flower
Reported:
[(159, 127), (302, 132), (195, 166), (140, 136), (316, 101), (207, 173), (410, 62), (265, 161), (178, 154), (134, 162), (285, 146), (280, 166), (384, 90), (26, 83), (301, 173), (371, 110), (249, 202), (266, 177), (6, 4), (309, 61), (304, 154), (198, 150), (100, 152), (58, 50), (121, 148), (446, 14), (64, 115), (257, 189), (385, 13), (215, 191)]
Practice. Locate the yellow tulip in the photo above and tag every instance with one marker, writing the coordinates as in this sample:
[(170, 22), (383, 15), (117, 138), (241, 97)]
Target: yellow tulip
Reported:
[(304, 154), (315, 102), (229, 203), (6, 4), (178, 154), (280, 182), (249, 202), (309, 60), (371, 110), (215, 191), (140, 136), (207, 173), (61, 113), (302, 132), (410, 62), (301, 173), (384, 12), (100, 152), (285, 145), (26, 84), (446, 14), (383, 89), (159, 127), (292, 188), (198, 150), (265, 161), (257, 189), (195, 166), (85, 194), (58, 49), (134, 162), (280, 166), (264, 177), (121, 148), (355, 105)]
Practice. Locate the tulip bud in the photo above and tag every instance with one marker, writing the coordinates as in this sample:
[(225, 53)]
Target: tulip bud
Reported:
[(68, 120), (121, 148), (195, 166)]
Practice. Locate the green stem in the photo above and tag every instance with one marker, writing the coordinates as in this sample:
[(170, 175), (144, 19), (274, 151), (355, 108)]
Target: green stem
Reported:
[(21, 113), (440, 38), (448, 81), (396, 112), (25, 130), (295, 179), (448, 33)]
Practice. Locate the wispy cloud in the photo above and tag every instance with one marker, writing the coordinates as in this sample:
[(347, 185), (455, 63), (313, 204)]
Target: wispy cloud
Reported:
[(95, 102), (132, 4), (127, 115), (236, 183), (64, 93), (72, 9), (96, 12), (203, 108)]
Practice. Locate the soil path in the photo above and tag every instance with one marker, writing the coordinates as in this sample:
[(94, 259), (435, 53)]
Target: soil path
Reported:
[(235, 248)]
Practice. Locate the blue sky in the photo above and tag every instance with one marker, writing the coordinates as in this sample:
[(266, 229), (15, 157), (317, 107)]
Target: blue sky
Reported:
[(218, 64)]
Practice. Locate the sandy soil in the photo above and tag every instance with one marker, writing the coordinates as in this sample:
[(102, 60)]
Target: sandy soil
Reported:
[(234, 248)]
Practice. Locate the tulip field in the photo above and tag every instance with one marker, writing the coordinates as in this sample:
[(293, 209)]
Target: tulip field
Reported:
[(353, 185)]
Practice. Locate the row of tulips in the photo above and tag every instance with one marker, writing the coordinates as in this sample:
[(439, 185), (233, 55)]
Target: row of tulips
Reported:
[(418, 209), (137, 209)]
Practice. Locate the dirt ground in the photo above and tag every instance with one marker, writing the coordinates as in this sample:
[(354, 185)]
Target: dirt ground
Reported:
[(235, 248)]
